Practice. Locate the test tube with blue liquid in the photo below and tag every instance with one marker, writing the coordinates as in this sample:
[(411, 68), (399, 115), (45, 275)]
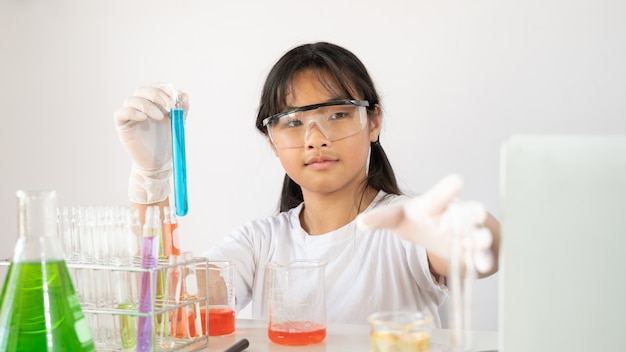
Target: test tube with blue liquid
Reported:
[(177, 124)]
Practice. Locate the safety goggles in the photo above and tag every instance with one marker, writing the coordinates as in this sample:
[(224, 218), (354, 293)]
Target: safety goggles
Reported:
[(335, 119)]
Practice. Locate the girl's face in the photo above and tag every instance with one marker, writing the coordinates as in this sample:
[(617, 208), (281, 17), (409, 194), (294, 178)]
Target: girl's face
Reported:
[(324, 166)]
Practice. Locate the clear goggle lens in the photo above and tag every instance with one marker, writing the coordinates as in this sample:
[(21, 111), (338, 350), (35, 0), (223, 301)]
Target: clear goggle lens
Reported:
[(336, 120)]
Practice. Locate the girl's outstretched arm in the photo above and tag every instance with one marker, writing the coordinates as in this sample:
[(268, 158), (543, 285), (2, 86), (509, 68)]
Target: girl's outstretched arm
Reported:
[(430, 219)]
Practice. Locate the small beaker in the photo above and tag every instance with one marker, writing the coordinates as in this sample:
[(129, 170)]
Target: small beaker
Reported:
[(221, 297), (296, 302), (400, 331)]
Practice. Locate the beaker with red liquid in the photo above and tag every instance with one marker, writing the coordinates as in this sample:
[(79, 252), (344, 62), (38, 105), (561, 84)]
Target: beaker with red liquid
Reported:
[(221, 320), (296, 301), (221, 294)]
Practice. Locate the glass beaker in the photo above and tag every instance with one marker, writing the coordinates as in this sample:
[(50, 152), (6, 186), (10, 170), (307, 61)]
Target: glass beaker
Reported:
[(296, 302), (221, 298), (39, 308), (400, 331)]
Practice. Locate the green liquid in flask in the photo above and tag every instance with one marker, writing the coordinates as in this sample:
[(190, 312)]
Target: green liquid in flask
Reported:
[(39, 310)]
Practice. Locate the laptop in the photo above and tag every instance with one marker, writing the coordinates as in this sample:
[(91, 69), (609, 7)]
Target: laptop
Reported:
[(563, 251)]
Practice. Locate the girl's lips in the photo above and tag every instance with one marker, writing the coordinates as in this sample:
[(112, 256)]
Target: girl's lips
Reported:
[(320, 163)]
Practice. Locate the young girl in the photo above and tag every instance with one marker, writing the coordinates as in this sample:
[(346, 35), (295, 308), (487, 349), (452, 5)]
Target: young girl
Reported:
[(322, 117)]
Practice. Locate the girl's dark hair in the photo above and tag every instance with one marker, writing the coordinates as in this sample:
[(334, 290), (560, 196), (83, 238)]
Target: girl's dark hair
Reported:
[(338, 69)]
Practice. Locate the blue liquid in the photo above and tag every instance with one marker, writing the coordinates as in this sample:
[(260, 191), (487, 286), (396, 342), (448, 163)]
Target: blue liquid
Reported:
[(179, 160)]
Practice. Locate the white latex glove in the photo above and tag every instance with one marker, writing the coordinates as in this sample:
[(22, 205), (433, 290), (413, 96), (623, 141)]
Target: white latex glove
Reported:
[(143, 127), (429, 221)]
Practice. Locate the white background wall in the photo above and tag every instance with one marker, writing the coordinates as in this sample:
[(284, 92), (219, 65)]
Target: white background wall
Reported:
[(457, 78)]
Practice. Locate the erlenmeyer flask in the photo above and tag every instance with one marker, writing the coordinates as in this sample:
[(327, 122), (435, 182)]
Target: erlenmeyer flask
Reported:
[(39, 309)]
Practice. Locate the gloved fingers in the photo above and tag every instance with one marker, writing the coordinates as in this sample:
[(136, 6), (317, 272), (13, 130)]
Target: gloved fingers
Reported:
[(161, 97), (146, 102), (483, 256), (467, 219), (126, 115), (185, 101), (435, 201), (389, 216), (477, 212), (419, 209), (146, 106), (170, 96), (482, 238), (483, 261), (424, 232), (169, 92)]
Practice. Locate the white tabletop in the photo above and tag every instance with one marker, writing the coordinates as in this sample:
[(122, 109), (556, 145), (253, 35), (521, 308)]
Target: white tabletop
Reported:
[(339, 337)]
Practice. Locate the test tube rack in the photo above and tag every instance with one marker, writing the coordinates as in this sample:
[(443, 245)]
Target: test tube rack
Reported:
[(113, 321)]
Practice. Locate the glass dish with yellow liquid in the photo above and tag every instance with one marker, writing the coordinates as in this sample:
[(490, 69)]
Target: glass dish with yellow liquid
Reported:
[(400, 332)]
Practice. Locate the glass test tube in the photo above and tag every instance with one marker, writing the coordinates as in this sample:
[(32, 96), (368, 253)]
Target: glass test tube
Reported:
[(177, 125), (150, 253)]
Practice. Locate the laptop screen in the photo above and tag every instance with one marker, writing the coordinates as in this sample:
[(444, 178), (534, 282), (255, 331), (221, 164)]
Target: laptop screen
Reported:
[(563, 252)]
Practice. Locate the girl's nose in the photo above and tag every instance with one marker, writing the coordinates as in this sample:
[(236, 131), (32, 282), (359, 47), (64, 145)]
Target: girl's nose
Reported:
[(315, 136)]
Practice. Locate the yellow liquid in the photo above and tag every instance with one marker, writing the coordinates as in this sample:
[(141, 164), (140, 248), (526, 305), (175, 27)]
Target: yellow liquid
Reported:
[(388, 341)]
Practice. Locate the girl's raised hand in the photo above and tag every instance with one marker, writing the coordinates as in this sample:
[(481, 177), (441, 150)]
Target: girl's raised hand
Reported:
[(143, 127), (429, 221)]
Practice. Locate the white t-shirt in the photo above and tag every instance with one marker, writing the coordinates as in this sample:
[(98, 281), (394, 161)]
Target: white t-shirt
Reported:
[(367, 271)]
